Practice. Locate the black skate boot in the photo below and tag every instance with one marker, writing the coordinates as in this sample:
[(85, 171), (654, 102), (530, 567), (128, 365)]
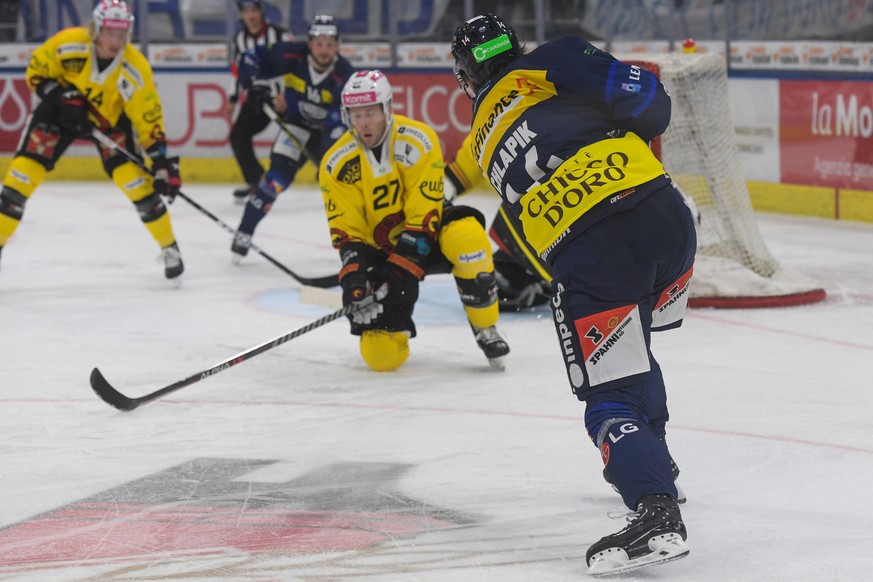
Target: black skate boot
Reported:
[(173, 266), (242, 242), (680, 493), (492, 345), (241, 195), (655, 535)]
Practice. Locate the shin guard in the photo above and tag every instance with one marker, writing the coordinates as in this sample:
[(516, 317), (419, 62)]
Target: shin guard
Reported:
[(636, 459), (22, 178)]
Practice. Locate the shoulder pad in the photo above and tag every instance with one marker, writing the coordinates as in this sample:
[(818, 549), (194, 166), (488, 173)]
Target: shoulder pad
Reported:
[(70, 41), (340, 150), (416, 133), (344, 67), (131, 71)]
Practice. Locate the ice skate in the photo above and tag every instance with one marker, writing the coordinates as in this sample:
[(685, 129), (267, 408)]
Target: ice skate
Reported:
[(655, 535), (241, 195), (242, 242), (492, 345), (680, 493), (173, 266)]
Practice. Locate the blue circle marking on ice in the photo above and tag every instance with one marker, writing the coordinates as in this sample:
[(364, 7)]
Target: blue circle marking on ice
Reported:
[(438, 303), (287, 302)]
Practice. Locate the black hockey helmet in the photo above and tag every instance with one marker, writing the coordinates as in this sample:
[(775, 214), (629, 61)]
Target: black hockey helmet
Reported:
[(323, 25), (481, 47), (240, 4)]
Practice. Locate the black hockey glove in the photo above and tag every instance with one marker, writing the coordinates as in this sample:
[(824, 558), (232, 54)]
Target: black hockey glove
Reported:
[(72, 109), (166, 171), (402, 285), (355, 289)]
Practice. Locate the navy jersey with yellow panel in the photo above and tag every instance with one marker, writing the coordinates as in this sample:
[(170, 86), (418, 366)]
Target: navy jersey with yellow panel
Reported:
[(564, 128), (313, 98), (312, 121)]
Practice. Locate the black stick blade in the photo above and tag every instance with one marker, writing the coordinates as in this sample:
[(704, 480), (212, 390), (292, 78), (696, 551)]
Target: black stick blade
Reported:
[(109, 394)]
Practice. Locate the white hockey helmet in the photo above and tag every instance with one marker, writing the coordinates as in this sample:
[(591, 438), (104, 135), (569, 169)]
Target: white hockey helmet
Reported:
[(367, 88), (323, 25), (112, 14)]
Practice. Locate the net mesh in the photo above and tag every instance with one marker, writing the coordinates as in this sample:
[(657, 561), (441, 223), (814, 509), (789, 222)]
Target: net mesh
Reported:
[(733, 266)]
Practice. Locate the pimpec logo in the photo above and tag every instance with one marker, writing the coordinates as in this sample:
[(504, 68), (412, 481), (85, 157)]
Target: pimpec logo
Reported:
[(16, 103)]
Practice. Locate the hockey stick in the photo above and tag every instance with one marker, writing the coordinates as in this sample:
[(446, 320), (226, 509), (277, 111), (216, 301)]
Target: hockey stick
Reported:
[(270, 112), (125, 403), (326, 281)]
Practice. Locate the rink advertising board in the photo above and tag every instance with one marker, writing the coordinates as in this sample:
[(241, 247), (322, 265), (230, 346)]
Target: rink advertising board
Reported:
[(755, 113), (827, 133), (792, 134), (194, 106)]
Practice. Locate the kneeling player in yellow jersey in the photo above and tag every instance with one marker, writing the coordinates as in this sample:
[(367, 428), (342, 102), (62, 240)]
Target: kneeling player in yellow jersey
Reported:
[(93, 77), (382, 183)]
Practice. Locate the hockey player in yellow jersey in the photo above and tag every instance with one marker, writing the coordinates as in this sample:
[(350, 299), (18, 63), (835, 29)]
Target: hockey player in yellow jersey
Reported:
[(523, 280), (382, 183), (92, 77)]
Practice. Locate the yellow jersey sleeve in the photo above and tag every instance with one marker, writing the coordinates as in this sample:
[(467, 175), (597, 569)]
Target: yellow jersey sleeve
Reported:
[(46, 63), (342, 190), (419, 161), (142, 104), (464, 167)]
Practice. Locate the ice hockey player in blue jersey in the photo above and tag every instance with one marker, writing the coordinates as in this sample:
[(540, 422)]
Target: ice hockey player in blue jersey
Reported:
[(561, 133), (312, 76)]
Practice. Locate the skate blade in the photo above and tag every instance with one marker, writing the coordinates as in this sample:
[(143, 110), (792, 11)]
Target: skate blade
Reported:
[(497, 364), (667, 548), (680, 493), (235, 258), (240, 201), (175, 282)]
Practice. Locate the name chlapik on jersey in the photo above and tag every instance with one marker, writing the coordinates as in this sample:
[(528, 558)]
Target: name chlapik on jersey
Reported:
[(512, 145), (503, 131)]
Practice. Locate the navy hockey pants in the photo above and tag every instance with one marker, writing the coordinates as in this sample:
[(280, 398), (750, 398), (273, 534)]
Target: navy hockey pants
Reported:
[(614, 283)]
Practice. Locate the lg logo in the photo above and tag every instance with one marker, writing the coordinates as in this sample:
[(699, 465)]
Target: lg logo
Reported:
[(624, 430)]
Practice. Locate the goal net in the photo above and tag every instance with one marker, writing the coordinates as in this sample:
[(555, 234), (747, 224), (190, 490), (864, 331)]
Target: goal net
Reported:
[(733, 267)]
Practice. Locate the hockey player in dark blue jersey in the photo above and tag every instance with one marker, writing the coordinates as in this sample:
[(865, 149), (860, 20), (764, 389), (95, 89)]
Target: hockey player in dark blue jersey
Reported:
[(561, 133), (312, 75)]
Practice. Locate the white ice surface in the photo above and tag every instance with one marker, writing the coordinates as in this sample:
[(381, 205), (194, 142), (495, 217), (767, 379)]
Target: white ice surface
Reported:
[(771, 409)]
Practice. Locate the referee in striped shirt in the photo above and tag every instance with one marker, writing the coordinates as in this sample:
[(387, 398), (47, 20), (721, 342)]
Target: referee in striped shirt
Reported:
[(249, 122)]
